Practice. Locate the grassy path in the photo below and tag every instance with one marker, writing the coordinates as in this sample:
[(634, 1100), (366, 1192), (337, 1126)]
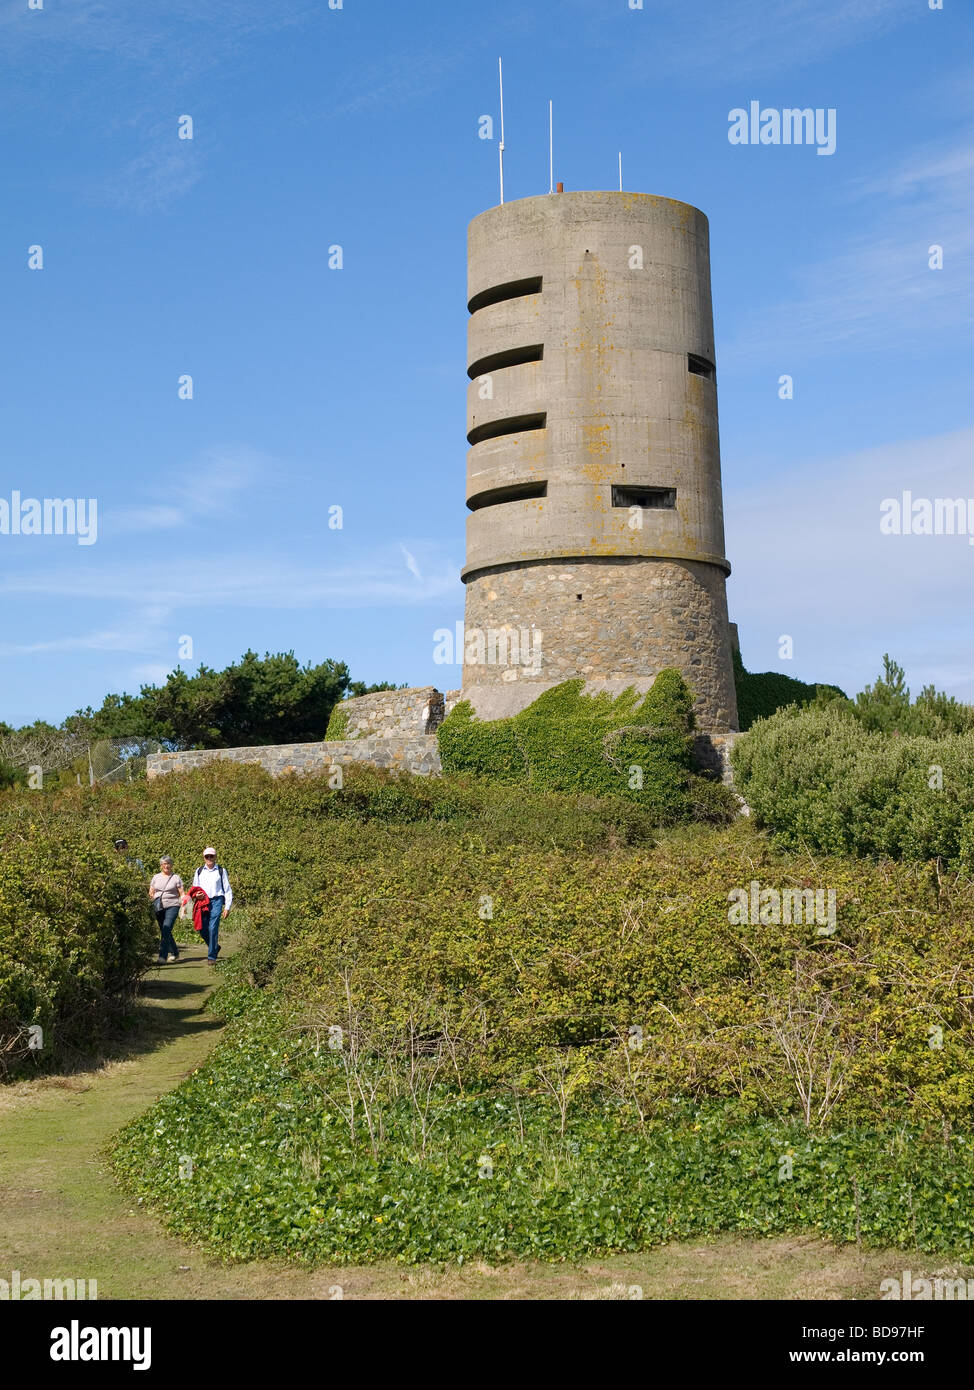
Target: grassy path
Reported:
[(61, 1215)]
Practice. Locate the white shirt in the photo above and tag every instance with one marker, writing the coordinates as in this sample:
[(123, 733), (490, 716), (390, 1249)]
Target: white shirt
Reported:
[(210, 882)]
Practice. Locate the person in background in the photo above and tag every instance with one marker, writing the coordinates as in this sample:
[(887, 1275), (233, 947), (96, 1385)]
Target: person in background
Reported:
[(165, 892), (121, 847), (212, 878)]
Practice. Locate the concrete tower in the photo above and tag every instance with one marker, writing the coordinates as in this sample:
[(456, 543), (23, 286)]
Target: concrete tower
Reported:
[(595, 541)]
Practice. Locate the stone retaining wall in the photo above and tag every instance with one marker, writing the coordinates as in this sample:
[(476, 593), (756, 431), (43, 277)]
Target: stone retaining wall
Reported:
[(711, 753), (604, 620), (389, 712), (402, 752)]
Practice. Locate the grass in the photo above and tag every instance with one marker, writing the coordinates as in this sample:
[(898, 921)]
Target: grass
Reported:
[(62, 1216)]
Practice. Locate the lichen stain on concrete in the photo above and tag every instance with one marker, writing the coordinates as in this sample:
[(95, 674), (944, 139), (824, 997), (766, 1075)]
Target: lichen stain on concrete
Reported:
[(597, 441)]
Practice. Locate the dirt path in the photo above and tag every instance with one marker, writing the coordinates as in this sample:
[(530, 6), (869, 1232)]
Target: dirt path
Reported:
[(62, 1216)]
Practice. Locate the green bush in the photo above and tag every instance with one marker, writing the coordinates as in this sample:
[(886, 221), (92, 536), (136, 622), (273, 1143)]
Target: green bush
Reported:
[(75, 937), (817, 777), (278, 836), (631, 745), (760, 694)]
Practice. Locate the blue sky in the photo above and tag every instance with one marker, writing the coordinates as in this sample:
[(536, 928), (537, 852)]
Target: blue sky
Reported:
[(316, 387)]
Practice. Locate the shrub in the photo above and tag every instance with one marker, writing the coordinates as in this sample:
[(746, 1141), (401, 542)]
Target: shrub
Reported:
[(75, 937), (510, 953), (818, 778), (885, 707), (337, 723), (630, 745), (278, 835)]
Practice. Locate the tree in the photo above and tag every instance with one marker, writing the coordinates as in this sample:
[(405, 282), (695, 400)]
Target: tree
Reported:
[(36, 745), (883, 705), (360, 688), (119, 716), (254, 701)]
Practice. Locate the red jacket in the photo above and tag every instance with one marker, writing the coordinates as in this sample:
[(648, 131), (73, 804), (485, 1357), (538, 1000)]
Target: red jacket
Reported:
[(201, 904)]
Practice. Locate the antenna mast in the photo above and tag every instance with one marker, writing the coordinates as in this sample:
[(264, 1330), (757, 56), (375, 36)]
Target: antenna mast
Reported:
[(500, 73), (620, 171), (551, 147)]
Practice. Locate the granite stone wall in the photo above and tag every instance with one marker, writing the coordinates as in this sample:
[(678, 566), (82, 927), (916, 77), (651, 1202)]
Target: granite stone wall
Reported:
[(406, 752), (391, 712), (399, 752), (711, 753), (606, 620)]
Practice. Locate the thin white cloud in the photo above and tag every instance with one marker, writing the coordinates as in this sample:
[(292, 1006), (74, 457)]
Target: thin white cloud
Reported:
[(843, 590), (139, 632), (151, 674), (250, 579), (151, 518), (411, 564), (746, 37), (218, 477), (178, 38), (152, 181), (880, 286), (755, 34)]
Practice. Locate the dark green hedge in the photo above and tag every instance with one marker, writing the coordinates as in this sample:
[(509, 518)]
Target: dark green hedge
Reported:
[(75, 935), (760, 693)]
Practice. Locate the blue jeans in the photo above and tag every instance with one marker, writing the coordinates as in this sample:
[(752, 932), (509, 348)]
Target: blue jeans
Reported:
[(166, 919), (211, 927)]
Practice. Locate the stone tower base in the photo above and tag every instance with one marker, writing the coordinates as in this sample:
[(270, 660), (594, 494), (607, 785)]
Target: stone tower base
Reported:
[(614, 622)]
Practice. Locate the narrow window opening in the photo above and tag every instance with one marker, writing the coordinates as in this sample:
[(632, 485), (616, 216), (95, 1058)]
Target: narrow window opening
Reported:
[(700, 366), (514, 424), (513, 357), (514, 492), (514, 289), (654, 497), (578, 596)]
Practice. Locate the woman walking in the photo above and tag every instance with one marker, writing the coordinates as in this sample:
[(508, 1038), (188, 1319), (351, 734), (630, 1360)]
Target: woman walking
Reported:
[(165, 893)]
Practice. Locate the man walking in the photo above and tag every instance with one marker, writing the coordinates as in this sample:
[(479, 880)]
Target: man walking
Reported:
[(213, 880)]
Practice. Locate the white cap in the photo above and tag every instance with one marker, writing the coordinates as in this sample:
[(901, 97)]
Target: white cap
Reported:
[(209, 850)]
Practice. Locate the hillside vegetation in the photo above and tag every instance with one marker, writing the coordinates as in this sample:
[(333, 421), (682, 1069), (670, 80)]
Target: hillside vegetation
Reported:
[(489, 1022), (75, 935), (75, 929), (478, 1016)]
